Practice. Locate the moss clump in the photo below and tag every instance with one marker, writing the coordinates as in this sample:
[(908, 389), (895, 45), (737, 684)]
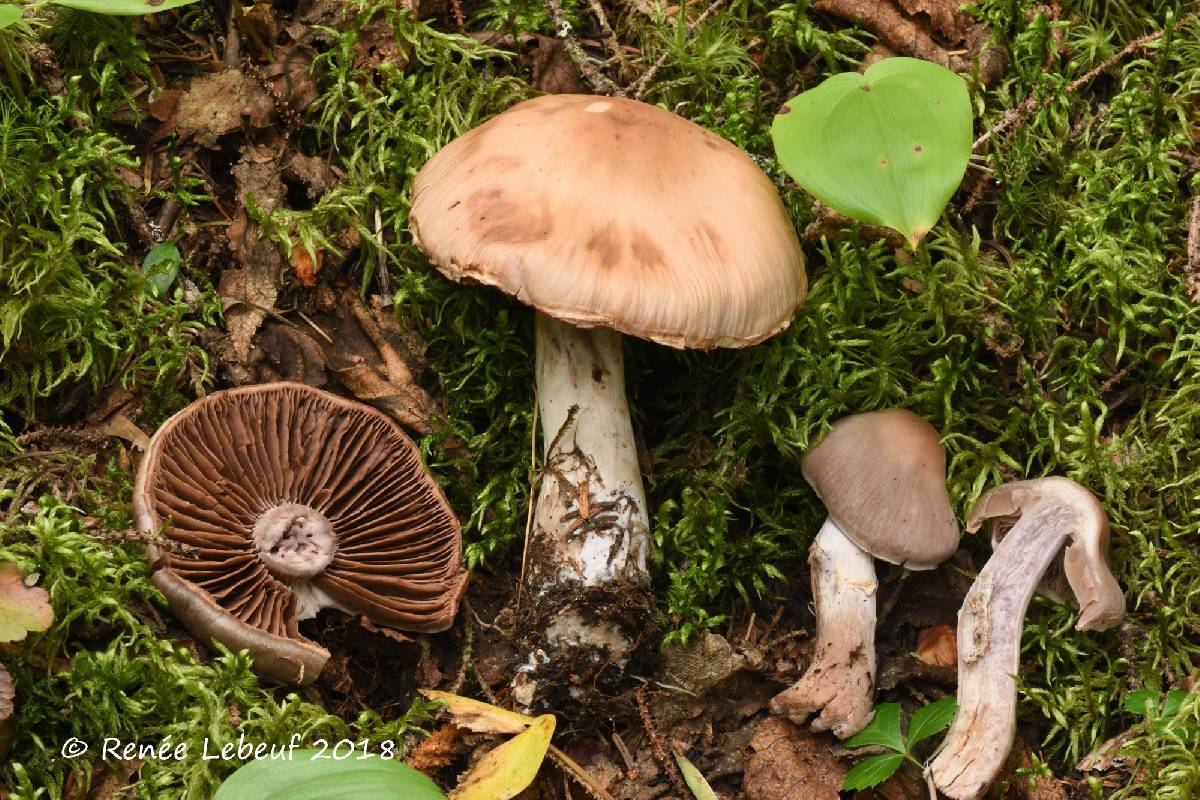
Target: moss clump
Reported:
[(1045, 329)]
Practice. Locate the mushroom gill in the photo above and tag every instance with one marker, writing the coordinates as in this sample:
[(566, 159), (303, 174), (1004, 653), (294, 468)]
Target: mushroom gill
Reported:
[(291, 500)]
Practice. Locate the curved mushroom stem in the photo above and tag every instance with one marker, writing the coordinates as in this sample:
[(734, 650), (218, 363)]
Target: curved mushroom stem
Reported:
[(591, 538), (1047, 515), (840, 680)]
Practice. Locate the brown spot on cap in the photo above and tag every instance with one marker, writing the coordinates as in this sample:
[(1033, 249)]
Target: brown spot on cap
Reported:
[(646, 250), (785, 110), (600, 222), (605, 245)]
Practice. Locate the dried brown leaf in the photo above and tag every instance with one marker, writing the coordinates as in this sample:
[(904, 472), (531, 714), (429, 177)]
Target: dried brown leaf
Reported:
[(294, 354), (438, 751), (553, 70), (303, 264), (218, 104), (944, 16), (938, 646), (7, 694), (123, 427), (789, 761)]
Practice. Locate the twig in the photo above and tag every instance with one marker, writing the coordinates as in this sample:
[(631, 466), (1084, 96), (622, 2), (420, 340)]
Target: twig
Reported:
[(315, 326), (581, 775), (533, 487), (232, 43), (606, 31), (467, 649), (385, 284), (1193, 252), (460, 20), (1031, 104), (397, 371), (639, 87), (656, 743), (600, 83)]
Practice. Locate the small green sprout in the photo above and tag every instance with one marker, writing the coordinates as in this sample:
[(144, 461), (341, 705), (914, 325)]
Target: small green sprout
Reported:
[(1150, 703), (884, 730), (161, 267), (888, 147)]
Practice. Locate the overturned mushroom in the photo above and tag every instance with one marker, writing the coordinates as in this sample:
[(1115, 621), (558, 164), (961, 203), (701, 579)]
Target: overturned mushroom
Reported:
[(882, 477), (1031, 523), (608, 216), (292, 500)]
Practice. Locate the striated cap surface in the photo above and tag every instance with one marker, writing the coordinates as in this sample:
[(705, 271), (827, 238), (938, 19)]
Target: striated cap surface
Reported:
[(292, 499), (882, 477), (609, 212)]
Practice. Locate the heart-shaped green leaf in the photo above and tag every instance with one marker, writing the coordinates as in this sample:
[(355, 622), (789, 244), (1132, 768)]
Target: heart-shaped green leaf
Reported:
[(8, 15), (888, 147), (314, 775), (123, 7)]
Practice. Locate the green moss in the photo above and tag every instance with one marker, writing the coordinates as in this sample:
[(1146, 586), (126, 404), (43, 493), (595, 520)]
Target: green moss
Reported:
[(1047, 330)]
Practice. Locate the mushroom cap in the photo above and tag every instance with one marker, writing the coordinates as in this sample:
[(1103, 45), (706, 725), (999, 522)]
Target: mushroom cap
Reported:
[(220, 469), (1084, 568), (882, 477), (602, 211)]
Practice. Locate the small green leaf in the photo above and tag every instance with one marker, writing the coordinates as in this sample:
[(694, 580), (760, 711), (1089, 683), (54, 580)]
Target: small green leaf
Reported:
[(1143, 701), (304, 777), (123, 7), (872, 772), (888, 147), (161, 266), (931, 719), (8, 15), (1174, 700), (883, 730), (694, 780)]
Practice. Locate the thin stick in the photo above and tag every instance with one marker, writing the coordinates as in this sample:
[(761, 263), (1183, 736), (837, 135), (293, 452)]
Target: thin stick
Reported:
[(656, 744), (600, 83), (580, 774), (1193, 251), (315, 326), (533, 485), (1032, 104), (385, 285), (639, 87)]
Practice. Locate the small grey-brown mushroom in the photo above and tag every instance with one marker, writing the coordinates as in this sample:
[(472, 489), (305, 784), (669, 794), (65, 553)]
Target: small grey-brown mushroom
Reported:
[(290, 500), (882, 476), (1032, 522)]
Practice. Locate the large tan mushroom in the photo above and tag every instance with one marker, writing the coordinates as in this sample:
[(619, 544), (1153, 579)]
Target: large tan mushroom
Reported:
[(882, 477), (291, 500), (1032, 523), (607, 216)]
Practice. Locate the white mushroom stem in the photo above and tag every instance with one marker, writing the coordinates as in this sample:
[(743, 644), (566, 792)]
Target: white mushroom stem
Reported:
[(839, 682), (590, 526), (989, 650)]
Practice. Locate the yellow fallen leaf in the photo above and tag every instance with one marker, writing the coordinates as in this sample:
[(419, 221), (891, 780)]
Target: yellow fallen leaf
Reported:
[(22, 608), (479, 716), (694, 780), (507, 770)]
